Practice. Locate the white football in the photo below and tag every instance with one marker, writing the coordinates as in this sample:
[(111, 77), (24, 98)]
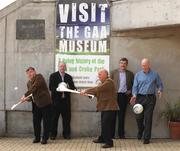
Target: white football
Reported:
[(137, 108), (15, 88)]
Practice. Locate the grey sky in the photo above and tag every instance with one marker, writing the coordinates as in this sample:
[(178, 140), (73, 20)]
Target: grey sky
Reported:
[(4, 3)]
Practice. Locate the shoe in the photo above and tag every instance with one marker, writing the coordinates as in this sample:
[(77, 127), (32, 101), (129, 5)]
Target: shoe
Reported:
[(122, 137), (107, 146), (44, 141), (98, 141), (67, 137), (139, 135), (36, 140), (146, 141), (52, 137)]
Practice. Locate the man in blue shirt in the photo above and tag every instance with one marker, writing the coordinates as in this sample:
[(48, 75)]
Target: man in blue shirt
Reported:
[(146, 83)]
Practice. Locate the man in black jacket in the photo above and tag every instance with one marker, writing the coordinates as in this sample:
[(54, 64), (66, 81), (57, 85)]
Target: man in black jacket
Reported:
[(61, 101)]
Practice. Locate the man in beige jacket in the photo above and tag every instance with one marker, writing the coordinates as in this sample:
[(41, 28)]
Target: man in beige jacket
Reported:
[(107, 105)]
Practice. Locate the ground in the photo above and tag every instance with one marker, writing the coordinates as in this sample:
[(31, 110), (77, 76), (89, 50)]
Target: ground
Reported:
[(86, 144)]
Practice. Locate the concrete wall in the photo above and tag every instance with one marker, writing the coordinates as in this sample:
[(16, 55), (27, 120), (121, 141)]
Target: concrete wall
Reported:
[(161, 45), (148, 29), (133, 14), (2, 76), (20, 54), (164, 55)]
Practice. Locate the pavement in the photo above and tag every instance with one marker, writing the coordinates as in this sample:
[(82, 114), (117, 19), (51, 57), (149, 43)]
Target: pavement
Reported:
[(86, 144)]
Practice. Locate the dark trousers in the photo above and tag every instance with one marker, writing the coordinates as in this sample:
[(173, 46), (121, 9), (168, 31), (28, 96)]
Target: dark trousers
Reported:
[(40, 114), (122, 102), (63, 108), (144, 120), (107, 127)]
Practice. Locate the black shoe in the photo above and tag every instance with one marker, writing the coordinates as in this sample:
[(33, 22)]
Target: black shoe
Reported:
[(36, 140), (146, 141), (44, 141), (52, 137), (139, 135), (67, 137), (98, 141), (122, 137), (107, 146)]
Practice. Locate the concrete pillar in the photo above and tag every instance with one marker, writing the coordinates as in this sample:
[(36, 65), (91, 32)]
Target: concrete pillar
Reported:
[(2, 76)]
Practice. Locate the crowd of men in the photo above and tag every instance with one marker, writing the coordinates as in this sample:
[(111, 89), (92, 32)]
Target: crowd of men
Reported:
[(113, 94)]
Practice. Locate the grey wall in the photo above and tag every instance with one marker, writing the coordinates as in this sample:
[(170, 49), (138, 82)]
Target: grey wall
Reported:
[(17, 55), (2, 76), (164, 54), (160, 45), (20, 54)]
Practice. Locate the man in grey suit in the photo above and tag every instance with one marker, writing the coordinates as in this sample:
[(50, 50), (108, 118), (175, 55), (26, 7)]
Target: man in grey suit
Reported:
[(123, 80)]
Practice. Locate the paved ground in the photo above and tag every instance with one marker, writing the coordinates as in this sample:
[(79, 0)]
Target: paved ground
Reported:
[(85, 144)]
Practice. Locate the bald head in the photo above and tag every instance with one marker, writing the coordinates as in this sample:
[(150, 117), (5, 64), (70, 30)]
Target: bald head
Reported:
[(145, 65), (103, 75), (145, 61)]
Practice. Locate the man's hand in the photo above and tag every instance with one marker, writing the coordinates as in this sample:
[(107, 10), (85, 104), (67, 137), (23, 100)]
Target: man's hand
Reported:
[(133, 100), (23, 99), (159, 94), (83, 92), (128, 92)]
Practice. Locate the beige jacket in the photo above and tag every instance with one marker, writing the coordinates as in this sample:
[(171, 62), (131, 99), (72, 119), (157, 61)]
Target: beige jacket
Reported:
[(106, 95), (38, 88)]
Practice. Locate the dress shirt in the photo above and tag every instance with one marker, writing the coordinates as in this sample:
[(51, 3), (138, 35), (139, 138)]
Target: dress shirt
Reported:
[(122, 82), (62, 77), (146, 83)]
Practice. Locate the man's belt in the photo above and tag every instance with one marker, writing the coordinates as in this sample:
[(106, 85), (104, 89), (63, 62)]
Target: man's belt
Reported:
[(146, 94)]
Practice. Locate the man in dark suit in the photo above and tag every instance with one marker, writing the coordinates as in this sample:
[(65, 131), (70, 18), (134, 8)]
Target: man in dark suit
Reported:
[(41, 104), (123, 79), (61, 101)]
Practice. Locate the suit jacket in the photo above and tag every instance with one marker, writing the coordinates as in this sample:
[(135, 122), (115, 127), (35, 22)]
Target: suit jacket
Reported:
[(129, 79), (106, 95), (55, 79), (37, 86)]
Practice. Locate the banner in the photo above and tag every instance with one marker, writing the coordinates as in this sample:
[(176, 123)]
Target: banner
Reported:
[(82, 39)]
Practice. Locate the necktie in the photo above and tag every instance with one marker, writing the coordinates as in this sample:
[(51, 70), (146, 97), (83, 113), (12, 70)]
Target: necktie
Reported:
[(62, 76)]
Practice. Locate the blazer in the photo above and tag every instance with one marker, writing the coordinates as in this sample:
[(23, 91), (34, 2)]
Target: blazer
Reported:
[(38, 88), (106, 95), (54, 80), (129, 79)]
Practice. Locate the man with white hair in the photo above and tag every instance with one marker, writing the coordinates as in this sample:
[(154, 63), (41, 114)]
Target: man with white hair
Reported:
[(107, 105), (146, 83)]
